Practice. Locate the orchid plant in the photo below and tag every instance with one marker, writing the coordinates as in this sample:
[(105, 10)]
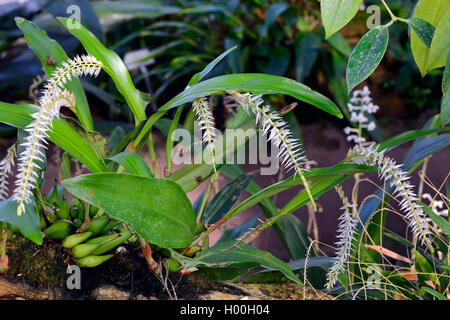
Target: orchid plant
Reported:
[(124, 199)]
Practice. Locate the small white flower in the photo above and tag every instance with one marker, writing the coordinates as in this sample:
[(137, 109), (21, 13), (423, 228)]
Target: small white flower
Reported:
[(5, 170), (371, 126)]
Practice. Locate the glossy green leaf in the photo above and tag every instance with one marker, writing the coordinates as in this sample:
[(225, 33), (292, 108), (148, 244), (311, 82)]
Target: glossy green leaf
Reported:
[(440, 47), (431, 11), (45, 47), (423, 29), (113, 65), (62, 134), (217, 259), (337, 13), (158, 209), (133, 163), (366, 56), (28, 223), (225, 199), (257, 84)]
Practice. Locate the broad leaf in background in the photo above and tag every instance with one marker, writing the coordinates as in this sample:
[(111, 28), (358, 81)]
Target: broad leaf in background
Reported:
[(337, 13), (158, 209), (62, 134), (431, 11), (423, 29), (45, 48), (306, 50), (366, 56), (225, 199), (273, 12), (113, 65), (133, 163), (28, 223), (440, 47)]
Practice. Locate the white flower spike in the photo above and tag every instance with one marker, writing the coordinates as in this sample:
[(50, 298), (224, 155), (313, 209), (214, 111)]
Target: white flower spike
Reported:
[(291, 153), (206, 121), (53, 98), (388, 170)]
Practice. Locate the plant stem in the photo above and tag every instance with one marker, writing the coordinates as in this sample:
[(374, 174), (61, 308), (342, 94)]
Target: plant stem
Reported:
[(205, 199), (394, 18)]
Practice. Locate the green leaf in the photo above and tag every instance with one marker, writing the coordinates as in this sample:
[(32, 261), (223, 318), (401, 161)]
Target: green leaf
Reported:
[(45, 47), (269, 276), (431, 11), (306, 50), (318, 187), (423, 29), (404, 137), (290, 229), (337, 13), (446, 76), (273, 12), (342, 169), (199, 76), (440, 47), (338, 42), (133, 163), (28, 223), (222, 256), (435, 293), (443, 224), (366, 56), (158, 209), (62, 134), (445, 108), (225, 199), (113, 65), (256, 84)]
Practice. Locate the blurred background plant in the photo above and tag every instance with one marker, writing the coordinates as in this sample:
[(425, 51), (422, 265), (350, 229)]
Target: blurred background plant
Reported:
[(164, 42)]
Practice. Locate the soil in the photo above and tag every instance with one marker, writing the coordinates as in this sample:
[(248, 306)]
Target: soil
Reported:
[(39, 272)]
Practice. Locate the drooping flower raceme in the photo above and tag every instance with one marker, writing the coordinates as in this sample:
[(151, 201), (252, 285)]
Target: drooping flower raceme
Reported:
[(388, 170), (206, 122), (291, 152), (346, 235), (5, 170), (359, 106), (53, 98)]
